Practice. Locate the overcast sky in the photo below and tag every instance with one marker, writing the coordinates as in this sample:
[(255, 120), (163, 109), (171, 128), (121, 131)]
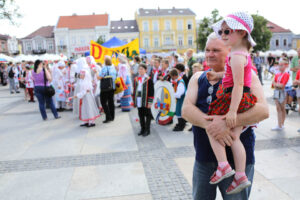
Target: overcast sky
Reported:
[(37, 13)]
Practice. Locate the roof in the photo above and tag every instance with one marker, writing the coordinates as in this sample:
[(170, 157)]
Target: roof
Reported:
[(274, 28), (4, 37), (44, 31), (82, 21), (165, 12), (123, 26)]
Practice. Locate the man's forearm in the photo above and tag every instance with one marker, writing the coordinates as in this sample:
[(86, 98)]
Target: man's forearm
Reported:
[(256, 114), (195, 116)]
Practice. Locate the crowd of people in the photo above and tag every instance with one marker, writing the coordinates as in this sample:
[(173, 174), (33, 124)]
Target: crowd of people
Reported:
[(221, 96)]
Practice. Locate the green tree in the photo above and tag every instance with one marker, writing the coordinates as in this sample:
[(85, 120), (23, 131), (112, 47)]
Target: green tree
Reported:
[(261, 33), (9, 10), (100, 40), (205, 28)]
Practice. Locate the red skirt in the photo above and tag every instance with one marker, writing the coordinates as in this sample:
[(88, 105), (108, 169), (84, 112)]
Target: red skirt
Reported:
[(221, 105)]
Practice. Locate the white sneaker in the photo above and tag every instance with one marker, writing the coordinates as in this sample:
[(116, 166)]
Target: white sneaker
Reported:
[(277, 128)]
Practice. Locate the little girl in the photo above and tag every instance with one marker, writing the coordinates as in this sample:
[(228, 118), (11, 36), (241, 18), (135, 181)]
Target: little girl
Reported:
[(88, 111), (234, 96), (29, 83), (280, 81)]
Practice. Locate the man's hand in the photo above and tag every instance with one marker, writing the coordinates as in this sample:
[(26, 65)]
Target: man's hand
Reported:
[(212, 76), (219, 131)]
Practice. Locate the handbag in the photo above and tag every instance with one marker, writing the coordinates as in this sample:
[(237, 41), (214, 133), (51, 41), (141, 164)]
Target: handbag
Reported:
[(49, 90), (106, 83)]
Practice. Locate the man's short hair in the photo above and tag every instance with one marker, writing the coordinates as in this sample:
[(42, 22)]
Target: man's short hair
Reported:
[(165, 61), (212, 36), (180, 67), (157, 59), (143, 66), (173, 72)]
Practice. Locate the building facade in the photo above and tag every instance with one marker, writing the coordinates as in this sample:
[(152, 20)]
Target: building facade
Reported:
[(3, 44), (165, 30), (125, 30), (74, 33), (39, 42), (13, 46), (282, 38), (296, 41)]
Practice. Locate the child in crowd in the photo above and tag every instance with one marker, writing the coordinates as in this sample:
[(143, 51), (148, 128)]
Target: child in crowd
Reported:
[(297, 84), (233, 96), (279, 83), (59, 84), (143, 95), (88, 111), (29, 82), (180, 90), (197, 67)]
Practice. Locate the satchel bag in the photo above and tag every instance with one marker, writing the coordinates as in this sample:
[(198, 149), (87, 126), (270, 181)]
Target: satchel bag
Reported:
[(107, 83), (49, 90)]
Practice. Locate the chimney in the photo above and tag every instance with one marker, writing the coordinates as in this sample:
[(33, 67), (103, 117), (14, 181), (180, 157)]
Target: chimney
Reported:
[(93, 13), (74, 14), (121, 19)]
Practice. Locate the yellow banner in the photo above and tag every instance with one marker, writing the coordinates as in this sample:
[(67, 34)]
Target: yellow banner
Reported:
[(99, 52)]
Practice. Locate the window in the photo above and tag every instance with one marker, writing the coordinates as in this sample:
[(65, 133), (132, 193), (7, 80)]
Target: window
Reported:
[(284, 42), (168, 40), (190, 41), (155, 26), (82, 40), (50, 46), (146, 26), (39, 45), (61, 42), (156, 42), (146, 42), (190, 25), (180, 25), (277, 43), (73, 40), (180, 41), (3, 46), (28, 46), (167, 25)]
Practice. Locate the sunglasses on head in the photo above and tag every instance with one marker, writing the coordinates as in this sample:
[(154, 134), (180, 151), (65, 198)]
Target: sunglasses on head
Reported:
[(226, 32)]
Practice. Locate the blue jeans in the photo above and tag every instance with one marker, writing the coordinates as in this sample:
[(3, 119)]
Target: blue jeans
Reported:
[(203, 190), (42, 98)]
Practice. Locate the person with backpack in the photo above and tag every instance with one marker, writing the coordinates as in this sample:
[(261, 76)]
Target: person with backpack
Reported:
[(12, 72)]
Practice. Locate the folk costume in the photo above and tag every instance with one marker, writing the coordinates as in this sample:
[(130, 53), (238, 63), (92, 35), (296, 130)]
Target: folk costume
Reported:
[(88, 111), (143, 95), (180, 90), (126, 98)]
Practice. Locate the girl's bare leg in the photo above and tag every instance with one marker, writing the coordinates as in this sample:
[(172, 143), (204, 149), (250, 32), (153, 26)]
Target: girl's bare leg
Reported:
[(238, 151)]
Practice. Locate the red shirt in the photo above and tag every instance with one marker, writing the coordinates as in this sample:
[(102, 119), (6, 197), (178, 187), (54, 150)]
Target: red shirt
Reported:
[(282, 78), (298, 75)]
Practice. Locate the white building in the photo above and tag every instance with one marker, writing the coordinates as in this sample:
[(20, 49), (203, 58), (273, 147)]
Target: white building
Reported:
[(39, 42), (12, 45), (125, 30), (74, 33)]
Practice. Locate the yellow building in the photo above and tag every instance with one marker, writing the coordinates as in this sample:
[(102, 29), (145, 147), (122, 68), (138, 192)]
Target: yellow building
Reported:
[(163, 30)]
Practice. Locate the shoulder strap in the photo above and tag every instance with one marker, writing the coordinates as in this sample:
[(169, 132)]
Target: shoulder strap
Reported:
[(44, 77)]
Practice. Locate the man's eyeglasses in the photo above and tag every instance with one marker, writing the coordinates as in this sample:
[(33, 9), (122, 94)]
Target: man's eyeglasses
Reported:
[(226, 32), (210, 91)]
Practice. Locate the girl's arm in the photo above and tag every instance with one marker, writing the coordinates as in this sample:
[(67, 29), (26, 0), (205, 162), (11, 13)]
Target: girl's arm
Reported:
[(81, 94), (237, 66)]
